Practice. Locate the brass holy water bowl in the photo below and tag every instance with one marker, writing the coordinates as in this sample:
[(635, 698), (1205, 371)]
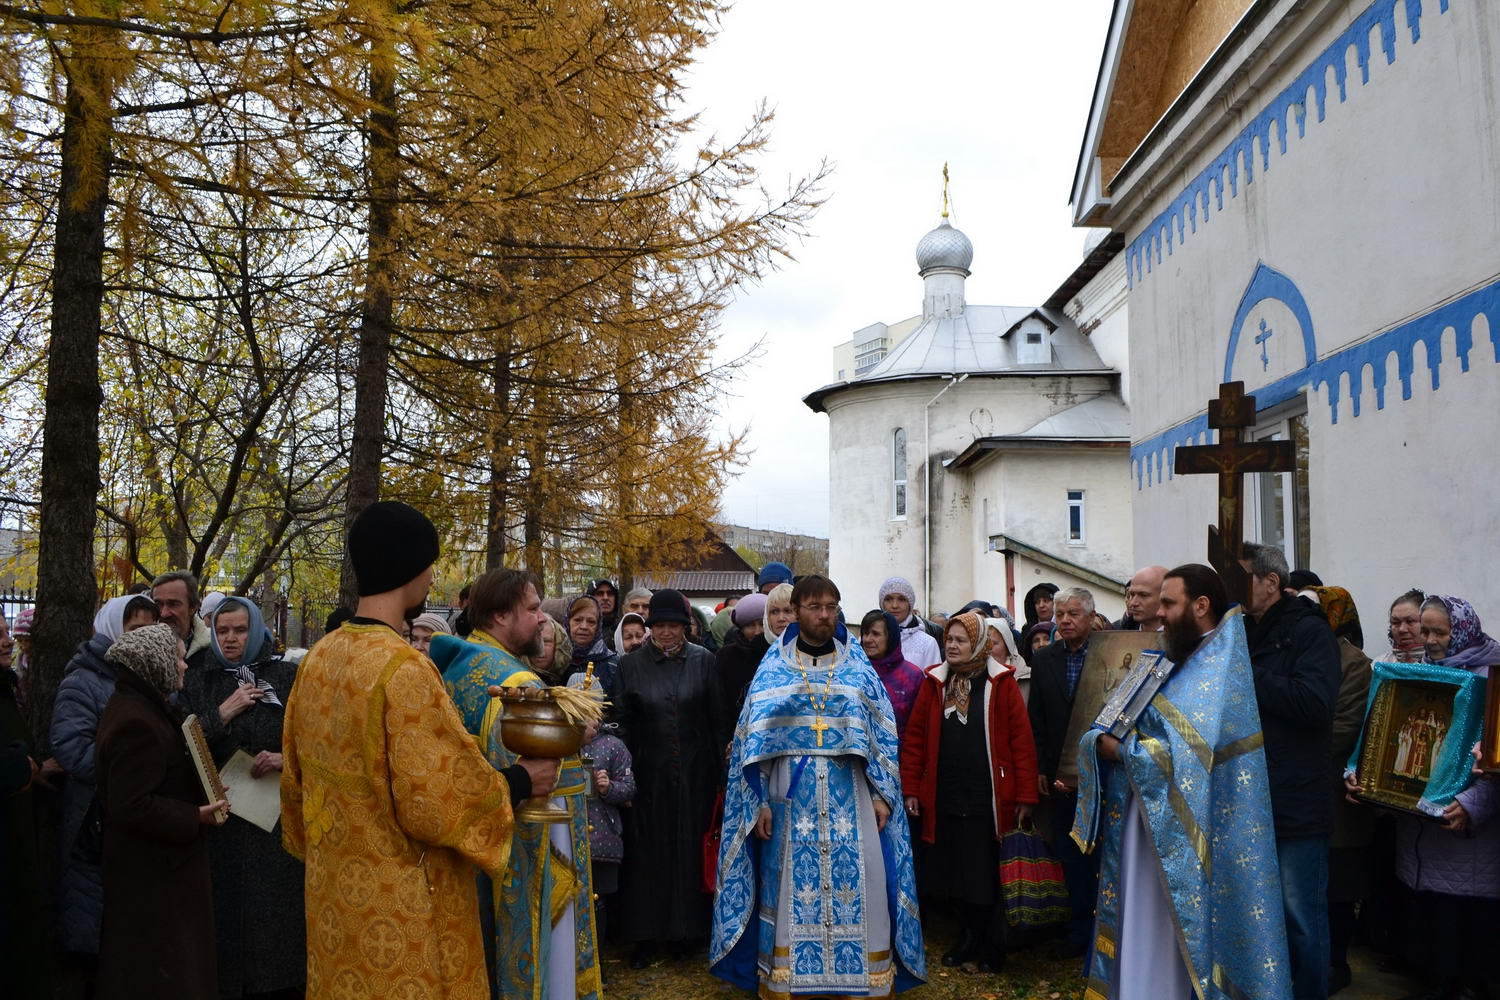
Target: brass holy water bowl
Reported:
[(532, 724)]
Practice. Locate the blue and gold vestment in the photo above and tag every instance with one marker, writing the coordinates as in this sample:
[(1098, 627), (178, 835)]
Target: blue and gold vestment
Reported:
[(832, 738), (1196, 765), (542, 879)]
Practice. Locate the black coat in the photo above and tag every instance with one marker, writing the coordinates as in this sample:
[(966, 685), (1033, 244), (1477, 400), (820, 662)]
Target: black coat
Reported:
[(738, 660), (1296, 664), (157, 938), (671, 716), (258, 904), (1050, 706), (25, 944)]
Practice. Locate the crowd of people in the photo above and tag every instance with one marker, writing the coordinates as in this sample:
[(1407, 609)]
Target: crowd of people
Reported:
[(795, 778)]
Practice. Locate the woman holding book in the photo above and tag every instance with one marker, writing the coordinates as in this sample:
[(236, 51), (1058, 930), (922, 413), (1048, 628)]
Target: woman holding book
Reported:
[(238, 695), (157, 936)]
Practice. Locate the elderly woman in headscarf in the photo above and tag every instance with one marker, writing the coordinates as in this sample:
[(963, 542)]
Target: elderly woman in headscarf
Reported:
[(157, 938), (584, 625), (424, 627), (880, 638), (1005, 650), (554, 660), (968, 770), (1452, 868), (630, 633), (87, 686), (1351, 846), (239, 696)]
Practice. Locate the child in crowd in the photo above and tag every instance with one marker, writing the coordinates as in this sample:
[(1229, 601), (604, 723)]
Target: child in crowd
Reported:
[(614, 786)]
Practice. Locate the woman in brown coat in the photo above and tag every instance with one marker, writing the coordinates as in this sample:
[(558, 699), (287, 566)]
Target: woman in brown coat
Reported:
[(157, 938)]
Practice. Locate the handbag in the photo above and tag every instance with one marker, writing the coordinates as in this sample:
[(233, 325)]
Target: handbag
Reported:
[(1031, 881), (711, 838)]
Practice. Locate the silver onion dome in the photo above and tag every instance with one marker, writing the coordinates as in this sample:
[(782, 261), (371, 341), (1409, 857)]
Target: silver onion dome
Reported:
[(944, 247)]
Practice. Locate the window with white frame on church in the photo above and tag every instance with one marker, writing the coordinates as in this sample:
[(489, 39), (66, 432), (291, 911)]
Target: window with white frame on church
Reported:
[(1278, 502), (898, 473), (1075, 517)]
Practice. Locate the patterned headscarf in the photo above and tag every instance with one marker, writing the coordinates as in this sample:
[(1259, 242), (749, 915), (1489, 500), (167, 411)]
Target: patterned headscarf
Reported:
[(960, 675), (1467, 643), (1343, 617), (150, 653)]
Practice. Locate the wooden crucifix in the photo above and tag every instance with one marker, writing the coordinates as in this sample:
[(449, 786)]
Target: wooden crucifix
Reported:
[(1230, 459)]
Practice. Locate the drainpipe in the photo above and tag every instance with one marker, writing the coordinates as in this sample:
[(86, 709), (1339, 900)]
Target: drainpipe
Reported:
[(927, 488)]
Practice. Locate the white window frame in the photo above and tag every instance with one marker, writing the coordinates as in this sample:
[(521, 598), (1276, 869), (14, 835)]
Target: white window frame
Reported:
[(1276, 425), (1083, 533), (899, 491)]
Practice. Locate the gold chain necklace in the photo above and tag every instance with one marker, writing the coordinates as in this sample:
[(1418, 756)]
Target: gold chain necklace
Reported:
[(819, 706)]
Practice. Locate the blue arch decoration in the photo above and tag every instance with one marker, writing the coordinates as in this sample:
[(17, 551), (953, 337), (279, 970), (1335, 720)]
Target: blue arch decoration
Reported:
[(1270, 284)]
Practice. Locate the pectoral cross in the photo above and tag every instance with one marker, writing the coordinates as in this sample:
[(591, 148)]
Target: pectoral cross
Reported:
[(820, 727), (1230, 459)]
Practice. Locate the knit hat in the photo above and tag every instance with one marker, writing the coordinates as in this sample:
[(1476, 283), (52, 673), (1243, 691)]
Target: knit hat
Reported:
[(750, 609), (149, 652), (211, 602), (23, 622), (390, 545), (773, 572), (667, 606), (897, 585), (428, 620)]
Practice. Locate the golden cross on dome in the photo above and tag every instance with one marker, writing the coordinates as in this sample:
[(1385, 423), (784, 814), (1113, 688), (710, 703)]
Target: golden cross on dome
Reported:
[(945, 190)]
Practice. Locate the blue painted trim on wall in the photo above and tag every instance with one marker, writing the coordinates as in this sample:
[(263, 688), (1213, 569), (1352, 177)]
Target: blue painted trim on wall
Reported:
[(1269, 283), (1179, 221), (1152, 458)]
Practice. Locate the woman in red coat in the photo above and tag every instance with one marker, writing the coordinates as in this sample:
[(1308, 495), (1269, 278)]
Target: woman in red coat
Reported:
[(968, 768)]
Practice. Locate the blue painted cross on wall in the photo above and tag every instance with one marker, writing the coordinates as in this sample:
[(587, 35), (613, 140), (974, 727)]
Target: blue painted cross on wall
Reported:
[(1261, 338)]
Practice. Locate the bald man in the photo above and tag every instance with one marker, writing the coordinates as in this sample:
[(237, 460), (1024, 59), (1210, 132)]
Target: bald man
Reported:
[(1143, 600)]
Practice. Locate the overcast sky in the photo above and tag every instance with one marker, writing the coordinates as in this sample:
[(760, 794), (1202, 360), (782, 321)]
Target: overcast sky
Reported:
[(888, 92)]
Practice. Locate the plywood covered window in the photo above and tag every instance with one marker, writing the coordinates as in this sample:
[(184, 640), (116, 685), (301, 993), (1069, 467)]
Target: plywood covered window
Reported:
[(898, 473)]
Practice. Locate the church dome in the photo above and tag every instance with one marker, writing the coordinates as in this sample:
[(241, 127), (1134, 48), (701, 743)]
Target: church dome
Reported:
[(944, 247)]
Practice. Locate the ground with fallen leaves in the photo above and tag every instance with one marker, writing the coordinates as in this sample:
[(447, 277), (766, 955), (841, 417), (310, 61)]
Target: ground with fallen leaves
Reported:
[(1030, 972)]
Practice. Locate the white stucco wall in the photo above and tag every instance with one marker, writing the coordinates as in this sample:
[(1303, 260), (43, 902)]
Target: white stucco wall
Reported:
[(1386, 211), (865, 544)]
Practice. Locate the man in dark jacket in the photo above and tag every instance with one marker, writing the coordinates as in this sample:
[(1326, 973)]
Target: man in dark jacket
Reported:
[(1296, 664), (1055, 670)]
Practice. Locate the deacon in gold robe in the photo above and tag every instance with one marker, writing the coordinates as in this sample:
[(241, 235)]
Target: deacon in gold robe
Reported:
[(385, 796)]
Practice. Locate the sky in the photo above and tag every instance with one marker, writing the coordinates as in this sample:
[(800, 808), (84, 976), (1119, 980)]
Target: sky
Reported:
[(888, 92)]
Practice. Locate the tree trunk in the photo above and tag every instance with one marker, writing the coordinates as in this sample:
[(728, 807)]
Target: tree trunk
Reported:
[(376, 312), (500, 463), (533, 519), (66, 588)]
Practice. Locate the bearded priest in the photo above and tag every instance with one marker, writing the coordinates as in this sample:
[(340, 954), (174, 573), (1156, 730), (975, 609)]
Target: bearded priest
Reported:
[(815, 890), (1189, 889), (539, 914)]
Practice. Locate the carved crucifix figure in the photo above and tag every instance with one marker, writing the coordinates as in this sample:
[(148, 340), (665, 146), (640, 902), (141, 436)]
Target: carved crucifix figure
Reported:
[(1230, 459)]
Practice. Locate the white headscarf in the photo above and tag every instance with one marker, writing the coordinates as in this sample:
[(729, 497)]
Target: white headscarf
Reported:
[(620, 628), (782, 594), (110, 620), (1012, 657)]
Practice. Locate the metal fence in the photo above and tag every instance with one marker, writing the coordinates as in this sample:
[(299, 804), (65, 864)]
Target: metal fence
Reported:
[(13, 602)]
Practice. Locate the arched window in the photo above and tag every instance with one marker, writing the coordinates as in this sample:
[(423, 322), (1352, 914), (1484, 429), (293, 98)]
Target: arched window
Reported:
[(898, 473)]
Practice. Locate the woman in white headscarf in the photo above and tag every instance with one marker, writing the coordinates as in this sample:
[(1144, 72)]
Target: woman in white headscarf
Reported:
[(86, 687), (779, 612)]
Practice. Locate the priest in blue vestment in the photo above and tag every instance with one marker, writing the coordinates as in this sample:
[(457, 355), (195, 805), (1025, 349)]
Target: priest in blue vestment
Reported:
[(815, 890), (1189, 898)]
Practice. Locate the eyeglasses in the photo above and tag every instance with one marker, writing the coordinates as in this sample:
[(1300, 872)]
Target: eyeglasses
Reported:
[(817, 609)]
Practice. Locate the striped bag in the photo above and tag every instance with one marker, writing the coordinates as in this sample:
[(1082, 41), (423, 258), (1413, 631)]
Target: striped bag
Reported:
[(1031, 881)]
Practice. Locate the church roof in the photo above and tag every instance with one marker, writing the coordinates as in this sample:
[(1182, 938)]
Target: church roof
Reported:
[(1100, 422)]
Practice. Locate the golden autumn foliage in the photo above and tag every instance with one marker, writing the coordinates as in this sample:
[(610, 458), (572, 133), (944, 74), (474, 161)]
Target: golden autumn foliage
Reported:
[(261, 262)]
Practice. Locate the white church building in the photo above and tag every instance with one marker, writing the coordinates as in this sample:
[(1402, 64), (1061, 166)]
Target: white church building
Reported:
[(1309, 198), (979, 450)]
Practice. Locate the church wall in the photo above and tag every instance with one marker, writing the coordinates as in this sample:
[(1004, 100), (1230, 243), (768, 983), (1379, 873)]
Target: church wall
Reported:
[(865, 545), (1099, 312), (1027, 494), (1357, 270), (1029, 574)]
